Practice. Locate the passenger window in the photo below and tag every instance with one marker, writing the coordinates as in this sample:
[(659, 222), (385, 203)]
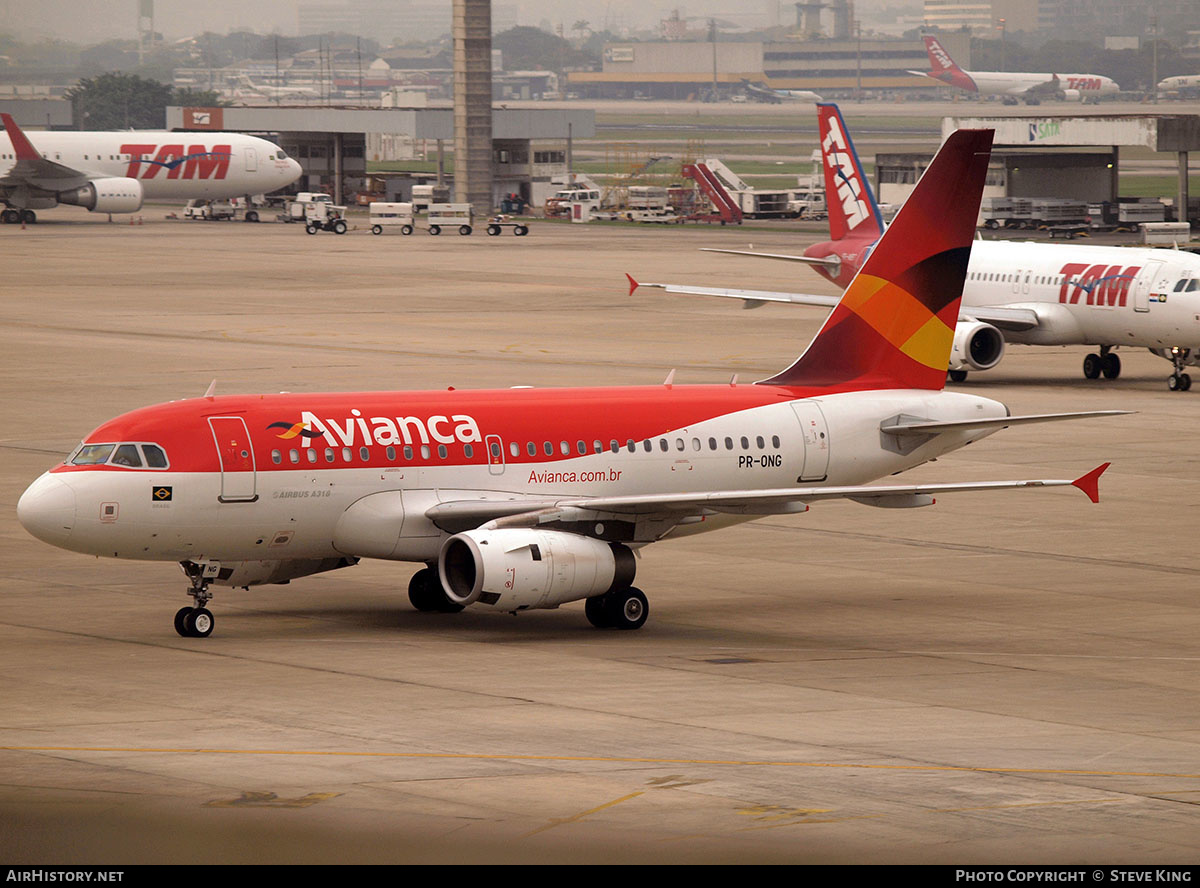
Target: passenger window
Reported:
[(581, 446), (712, 443), (631, 446), (495, 450), (276, 457), (312, 455), (565, 447), (127, 455), (531, 448), (442, 451), (695, 443), (424, 451), (347, 455), (760, 442), (364, 453), (328, 454), (155, 458), (745, 443), (662, 444), (614, 446), (294, 456), (679, 443), (729, 443), (775, 441), (408, 451), (598, 446), (646, 445), (391, 454), (469, 451), (549, 448), (513, 448)]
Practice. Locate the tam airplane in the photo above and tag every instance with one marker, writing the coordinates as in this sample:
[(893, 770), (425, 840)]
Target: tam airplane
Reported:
[(115, 172), (1031, 88), (1022, 292), (532, 498)]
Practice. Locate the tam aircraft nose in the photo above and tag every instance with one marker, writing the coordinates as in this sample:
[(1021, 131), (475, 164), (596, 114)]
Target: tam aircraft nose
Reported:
[(47, 509)]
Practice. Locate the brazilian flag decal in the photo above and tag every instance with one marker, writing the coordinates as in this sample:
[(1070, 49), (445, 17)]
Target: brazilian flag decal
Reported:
[(161, 494)]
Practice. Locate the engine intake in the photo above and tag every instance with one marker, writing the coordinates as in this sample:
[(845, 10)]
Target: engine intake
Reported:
[(111, 195), (514, 569), (977, 346)]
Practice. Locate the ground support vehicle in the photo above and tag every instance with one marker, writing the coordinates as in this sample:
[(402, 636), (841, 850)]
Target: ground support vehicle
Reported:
[(393, 216), (449, 215), (325, 217), (497, 224)]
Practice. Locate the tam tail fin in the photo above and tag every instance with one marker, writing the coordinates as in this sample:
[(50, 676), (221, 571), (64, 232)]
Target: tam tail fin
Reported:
[(944, 68), (852, 208), (894, 325)]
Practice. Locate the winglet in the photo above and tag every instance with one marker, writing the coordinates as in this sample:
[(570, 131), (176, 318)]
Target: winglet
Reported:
[(22, 147), (633, 285), (1090, 483)]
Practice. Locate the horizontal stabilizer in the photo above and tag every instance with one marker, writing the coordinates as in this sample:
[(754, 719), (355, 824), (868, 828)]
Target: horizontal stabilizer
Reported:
[(807, 260), (933, 428), (751, 298)]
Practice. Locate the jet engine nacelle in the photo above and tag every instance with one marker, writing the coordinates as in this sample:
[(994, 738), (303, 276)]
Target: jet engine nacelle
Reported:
[(977, 346), (519, 568), (112, 195), (1072, 95)]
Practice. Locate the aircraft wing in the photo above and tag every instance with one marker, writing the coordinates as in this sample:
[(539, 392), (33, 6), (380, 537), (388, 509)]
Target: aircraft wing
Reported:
[(466, 514), (750, 298), (33, 169), (1002, 317), (1051, 87)]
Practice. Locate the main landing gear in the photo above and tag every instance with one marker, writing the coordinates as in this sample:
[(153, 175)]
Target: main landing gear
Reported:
[(620, 609), (1107, 362), (426, 593), (196, 621), (10, 216)]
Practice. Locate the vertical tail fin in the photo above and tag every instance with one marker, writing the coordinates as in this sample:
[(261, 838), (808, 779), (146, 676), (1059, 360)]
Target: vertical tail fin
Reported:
[(944, 68), (852, 207), (894, 325)]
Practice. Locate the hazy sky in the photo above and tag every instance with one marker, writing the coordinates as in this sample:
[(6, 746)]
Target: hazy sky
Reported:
[(93, 21)]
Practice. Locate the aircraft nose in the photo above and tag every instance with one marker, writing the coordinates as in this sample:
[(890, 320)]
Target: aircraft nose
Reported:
[(47, 509)]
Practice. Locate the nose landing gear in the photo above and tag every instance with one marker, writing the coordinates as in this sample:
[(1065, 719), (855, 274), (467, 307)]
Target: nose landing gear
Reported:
[(197, 621), (1179, 381)]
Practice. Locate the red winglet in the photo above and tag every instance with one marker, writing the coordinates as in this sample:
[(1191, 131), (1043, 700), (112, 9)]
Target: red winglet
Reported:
[(21, 145), (1090, 483), (633, 285)]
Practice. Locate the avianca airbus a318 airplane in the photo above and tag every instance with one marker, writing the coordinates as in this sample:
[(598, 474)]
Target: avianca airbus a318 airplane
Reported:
[(531, 498), (115, 172), (1024, 292)]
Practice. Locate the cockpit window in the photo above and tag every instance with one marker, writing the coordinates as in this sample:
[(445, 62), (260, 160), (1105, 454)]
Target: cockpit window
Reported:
[(127, 455), (92, 454), (1180, 285), (155, 458), (1193, 285), (281, 154)]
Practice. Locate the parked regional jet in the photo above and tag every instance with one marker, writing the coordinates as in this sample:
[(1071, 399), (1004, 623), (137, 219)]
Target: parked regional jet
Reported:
[(1032, 88), (760, 92), (114, 172), (532, 498), (1029, 293)]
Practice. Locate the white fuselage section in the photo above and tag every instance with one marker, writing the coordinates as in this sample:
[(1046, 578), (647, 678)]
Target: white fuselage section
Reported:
[(168, 165), (1090, 295), (830, 440), (1001, 83)]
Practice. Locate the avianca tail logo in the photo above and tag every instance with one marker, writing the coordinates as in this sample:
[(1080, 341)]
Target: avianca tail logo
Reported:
[(840, 161), (383, 430), (197, 162)]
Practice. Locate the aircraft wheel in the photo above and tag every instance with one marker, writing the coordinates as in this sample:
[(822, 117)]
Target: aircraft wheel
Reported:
[(406, 230), (596, 609), (1180, 382), (376, 229), (1111, 366), (493, 230), (426, 594), (957, 375), (28, 216), (339, 227), (1092, 366), (464, 229), (198, 623), (435, 230), (10, 217), (628, 609), (180, 617), (251, 215), (310, 229), (521, 230)]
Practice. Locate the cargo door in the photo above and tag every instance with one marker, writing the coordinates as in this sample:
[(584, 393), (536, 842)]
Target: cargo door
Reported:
[(1144, 284), (236, 455), (815, 433), (251, 160)]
